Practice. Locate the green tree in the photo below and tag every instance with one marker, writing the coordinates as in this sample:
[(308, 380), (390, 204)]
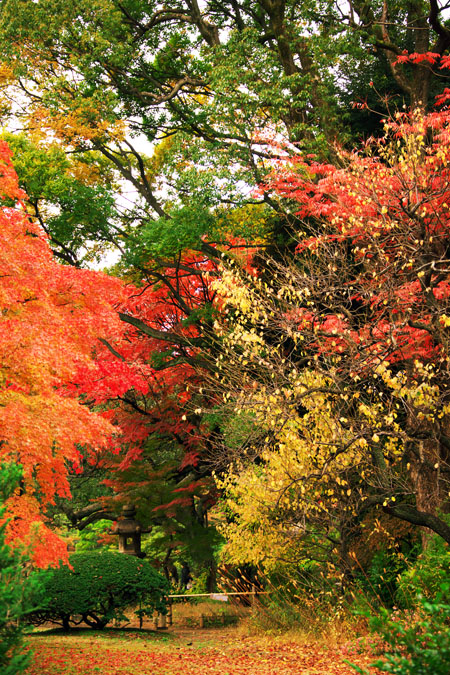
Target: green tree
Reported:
[(99, 587), (72, 198), (215, 81)]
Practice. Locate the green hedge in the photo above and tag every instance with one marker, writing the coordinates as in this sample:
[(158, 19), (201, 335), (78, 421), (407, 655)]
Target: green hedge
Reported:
[(98, 588)]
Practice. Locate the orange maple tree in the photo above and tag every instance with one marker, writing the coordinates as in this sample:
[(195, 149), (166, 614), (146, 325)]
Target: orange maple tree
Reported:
[(51, 318)]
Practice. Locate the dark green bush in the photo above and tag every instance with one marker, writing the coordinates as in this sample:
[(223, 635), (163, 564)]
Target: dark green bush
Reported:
[(15, 589), (378, 583), (98, 588), (426, 576)]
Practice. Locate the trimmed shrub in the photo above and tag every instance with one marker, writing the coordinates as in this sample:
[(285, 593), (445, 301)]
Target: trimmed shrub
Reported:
[(98, 588)]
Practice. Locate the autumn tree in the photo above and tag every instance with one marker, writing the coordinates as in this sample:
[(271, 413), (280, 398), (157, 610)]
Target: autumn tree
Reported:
[(159, 463), (206, 84), (335, 373), (159, 120), (52, 318)]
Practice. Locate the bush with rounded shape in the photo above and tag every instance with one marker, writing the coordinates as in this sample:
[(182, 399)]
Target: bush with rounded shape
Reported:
[(98, 587)]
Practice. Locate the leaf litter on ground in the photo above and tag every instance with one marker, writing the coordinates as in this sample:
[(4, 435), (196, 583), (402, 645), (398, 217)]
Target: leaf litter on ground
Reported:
[(210, 653)]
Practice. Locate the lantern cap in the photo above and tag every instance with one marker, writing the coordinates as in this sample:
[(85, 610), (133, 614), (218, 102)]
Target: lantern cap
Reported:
[(128, 525)]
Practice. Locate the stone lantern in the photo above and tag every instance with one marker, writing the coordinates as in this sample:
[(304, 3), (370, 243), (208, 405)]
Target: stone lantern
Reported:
[(129, 531)]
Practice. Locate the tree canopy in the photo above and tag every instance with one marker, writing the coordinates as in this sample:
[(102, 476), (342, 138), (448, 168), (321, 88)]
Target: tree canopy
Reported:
[(166, 133)]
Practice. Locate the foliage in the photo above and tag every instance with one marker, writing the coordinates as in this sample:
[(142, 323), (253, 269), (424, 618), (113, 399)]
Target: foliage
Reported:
[(16, 589), (205, 87), (98, 587), (215, 73), (200, 583), (427, 575), (89, 539), (70, 199), (416, 645), (52, 318), (378, 582), (340, 355)]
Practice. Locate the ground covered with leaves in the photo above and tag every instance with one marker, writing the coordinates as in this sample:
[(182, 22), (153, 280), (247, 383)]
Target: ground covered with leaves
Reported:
[(200, 652)]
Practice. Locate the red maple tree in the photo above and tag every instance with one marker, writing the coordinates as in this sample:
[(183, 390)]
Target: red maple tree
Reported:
[(163, 352)]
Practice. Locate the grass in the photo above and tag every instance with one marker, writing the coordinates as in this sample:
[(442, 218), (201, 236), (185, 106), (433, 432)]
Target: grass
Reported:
[(214, 613)]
